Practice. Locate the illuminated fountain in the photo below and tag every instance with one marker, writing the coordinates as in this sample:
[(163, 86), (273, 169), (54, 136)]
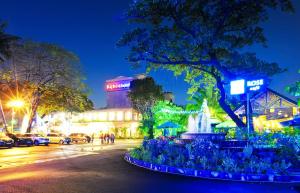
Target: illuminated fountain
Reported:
[(200, 126)]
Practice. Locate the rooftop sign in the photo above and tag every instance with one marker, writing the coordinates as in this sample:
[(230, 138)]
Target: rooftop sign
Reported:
[(117, 85)]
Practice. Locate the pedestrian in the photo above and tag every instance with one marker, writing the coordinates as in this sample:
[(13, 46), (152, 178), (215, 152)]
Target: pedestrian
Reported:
[(102, 138), (92, 138), (107, 138), (112, 138)]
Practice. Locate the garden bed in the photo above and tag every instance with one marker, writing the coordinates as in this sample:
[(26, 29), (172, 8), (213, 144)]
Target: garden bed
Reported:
[(208, 174)]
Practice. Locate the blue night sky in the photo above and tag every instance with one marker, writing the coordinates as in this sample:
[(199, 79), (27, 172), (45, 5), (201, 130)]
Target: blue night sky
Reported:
[(90, 28)]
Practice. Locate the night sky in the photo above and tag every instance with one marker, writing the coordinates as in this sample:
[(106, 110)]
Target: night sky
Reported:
[(90, 28)]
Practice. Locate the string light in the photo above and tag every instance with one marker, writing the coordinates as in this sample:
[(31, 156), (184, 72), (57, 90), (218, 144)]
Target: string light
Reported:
[(179, 112)]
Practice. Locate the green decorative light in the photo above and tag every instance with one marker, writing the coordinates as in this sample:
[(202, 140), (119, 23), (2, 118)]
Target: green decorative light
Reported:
[(178, 111)]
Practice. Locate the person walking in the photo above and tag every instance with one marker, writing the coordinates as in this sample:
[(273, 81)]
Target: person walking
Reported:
[(102, 138), (92, 138), (107, 138), (112, 138)]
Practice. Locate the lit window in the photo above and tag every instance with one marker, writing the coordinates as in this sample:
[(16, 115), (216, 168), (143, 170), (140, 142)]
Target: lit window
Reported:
[(102, 116), (111, 116), (135, 116), (128, 116), (120, 116)]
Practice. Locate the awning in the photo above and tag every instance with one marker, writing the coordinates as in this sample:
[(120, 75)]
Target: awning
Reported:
[(167, 125)]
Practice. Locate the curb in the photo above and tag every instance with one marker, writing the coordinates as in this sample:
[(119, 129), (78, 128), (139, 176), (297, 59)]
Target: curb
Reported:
[(214, 175)]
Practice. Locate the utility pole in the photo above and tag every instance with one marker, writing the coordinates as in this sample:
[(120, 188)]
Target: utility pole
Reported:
[(248, 112)]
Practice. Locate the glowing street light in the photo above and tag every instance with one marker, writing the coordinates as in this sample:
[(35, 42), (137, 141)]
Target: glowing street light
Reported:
[(17, 103)]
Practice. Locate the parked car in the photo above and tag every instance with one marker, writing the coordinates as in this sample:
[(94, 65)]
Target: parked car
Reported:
[(37, 139), (5, 141), (19, 140), (58, 138), (79, 137)]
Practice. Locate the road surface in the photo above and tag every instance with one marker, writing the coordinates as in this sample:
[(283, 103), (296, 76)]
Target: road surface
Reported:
[(95, 168)]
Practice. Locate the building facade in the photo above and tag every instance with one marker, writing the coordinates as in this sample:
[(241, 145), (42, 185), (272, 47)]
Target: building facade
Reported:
[(269, 108), (117, 117)]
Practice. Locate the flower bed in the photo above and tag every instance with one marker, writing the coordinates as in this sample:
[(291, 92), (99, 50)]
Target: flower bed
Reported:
[(209, 174), (206, 160)]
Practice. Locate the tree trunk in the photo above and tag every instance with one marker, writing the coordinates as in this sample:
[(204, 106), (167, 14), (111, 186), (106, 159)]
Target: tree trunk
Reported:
[(31, 117), (226, 107), (150, 132), (33, 113)]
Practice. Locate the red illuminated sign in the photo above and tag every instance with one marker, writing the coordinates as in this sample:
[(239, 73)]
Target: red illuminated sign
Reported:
[(117, 85)]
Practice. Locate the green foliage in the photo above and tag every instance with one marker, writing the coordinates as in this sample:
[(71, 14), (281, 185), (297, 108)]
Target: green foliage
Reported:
[(61, 98), (136, 153), (229, 165), (161, 159), (179, 160), (144, 94), (295, 89), (205, 155), (282, 167), (212, 95), (47, 77), (247, 151), (160, 116)]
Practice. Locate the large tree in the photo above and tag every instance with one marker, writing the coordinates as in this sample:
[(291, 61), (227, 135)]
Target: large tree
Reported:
[(144, 94), (47, 77), (209, 36), (5, 40)]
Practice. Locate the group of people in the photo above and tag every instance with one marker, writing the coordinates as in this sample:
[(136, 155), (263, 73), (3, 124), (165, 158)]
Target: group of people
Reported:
[(107, 138)]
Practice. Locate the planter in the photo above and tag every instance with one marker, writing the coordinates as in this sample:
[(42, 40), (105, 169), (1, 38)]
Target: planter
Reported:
[(204, 173), (208, 174)]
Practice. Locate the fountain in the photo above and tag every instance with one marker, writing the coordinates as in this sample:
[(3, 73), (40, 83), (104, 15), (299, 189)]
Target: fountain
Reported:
[(200, 126)]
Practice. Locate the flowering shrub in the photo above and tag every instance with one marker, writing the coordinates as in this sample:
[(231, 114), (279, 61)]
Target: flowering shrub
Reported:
[(205, 155)]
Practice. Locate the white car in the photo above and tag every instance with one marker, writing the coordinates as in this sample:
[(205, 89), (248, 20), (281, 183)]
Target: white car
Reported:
[(37, 138), (58, 138)]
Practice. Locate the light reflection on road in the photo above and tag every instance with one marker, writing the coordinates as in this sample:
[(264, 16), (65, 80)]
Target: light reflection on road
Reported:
[(18, 156)]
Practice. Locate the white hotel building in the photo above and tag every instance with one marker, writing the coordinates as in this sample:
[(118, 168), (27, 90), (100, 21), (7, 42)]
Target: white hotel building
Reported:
[(117, 117)]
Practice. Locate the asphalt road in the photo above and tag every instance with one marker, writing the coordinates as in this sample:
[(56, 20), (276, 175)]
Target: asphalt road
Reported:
[(88, 168), (38, 154)]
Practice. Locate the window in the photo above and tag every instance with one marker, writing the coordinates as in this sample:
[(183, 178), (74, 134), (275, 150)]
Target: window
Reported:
[(111, 116), (120, 116)]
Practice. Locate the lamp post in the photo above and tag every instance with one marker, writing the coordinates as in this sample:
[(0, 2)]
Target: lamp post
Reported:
[(17, 103)]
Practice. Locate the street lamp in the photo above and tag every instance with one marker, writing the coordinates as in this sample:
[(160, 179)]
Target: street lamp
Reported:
[(17, 103)]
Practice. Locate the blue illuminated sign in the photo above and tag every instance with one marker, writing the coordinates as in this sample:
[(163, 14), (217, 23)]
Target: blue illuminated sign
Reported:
[(241, 86), (237, 87), (254, 85)]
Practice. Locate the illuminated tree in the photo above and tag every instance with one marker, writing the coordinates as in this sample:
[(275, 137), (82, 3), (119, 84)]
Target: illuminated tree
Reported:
[(49, 76), (208, 36), (165, 111), (295, 90), (61, 98), (144, 94)]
